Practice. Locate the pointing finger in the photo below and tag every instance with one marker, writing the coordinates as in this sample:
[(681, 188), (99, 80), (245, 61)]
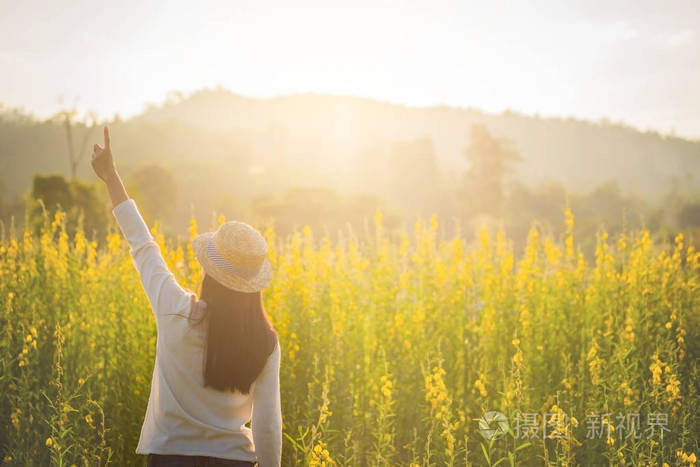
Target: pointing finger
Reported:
[(107, 140)]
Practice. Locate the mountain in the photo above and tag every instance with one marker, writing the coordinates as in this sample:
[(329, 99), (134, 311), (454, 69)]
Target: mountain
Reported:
[(337, 156), (328, 131)]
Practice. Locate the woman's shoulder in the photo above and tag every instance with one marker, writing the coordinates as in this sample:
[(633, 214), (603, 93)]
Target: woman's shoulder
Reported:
[(185, 324)]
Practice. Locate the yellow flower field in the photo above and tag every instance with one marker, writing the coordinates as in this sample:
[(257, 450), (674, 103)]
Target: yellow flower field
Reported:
[(393, 349)]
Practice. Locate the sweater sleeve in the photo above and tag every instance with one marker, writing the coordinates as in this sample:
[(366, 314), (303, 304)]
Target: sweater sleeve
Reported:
[(267, 413), (160, 285)]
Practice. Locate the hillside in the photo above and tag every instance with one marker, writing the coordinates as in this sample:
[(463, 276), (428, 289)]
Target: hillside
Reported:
[(579, 154), (327, 159)]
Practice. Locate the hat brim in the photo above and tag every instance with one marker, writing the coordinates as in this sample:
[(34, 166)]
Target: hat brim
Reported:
[(238, 283)]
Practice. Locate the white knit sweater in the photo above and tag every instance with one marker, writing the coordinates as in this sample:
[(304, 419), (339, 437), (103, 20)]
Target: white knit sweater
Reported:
[(184, 417)]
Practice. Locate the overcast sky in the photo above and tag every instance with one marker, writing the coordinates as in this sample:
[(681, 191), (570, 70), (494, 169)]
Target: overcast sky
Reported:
[(635, 61)]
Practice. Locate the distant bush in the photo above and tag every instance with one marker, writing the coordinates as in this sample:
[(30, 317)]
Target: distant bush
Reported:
[(81, 202), (689, 216)]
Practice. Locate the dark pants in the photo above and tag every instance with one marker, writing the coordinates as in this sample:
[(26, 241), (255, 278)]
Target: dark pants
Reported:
[(176, 460)]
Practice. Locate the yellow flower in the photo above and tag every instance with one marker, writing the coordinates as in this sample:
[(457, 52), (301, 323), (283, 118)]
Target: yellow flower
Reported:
[(656, 368), (518, 358), (49, 442), (480, 386), (14, 418)]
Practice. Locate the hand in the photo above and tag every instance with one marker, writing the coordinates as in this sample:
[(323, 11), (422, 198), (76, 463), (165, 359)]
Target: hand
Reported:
[(102, 160)]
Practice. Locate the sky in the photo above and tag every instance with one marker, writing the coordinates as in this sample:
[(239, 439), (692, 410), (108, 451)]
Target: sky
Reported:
[(636, 62)]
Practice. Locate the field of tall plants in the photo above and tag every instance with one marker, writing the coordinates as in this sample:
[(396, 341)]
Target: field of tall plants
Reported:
[(412, 349)]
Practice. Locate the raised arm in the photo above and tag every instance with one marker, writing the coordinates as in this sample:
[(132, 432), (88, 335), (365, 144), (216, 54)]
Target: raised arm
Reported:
[(104, 167), (162, 289)]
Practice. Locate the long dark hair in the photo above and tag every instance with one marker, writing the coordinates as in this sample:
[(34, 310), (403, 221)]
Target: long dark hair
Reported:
[(239, 337)]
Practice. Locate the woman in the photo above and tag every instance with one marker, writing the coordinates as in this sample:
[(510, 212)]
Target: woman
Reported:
[(217, 356)]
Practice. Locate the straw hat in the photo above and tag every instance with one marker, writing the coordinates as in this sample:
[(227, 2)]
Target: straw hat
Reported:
[(235, 255)]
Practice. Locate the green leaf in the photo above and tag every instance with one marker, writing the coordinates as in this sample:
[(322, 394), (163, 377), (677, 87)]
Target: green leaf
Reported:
[(522, 446), (486, 455), (296, 445)]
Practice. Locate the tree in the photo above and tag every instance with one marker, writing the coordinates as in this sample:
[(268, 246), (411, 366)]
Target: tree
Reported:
[(12, 207), (80, 201), (154, 188), (490, 160), (689, 216), (323, 209), (75, 158)]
